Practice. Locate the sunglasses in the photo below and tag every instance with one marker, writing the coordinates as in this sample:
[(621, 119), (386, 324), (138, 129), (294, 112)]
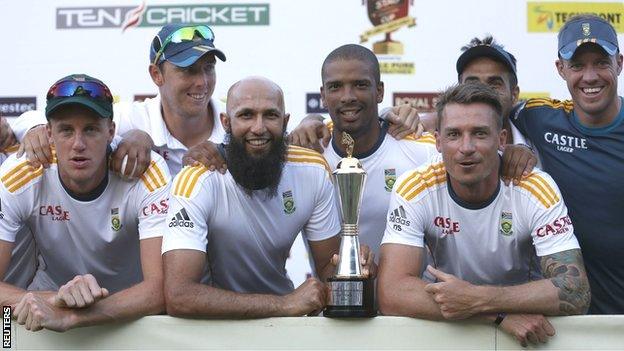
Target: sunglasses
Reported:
[(68, 88), (180, 35)]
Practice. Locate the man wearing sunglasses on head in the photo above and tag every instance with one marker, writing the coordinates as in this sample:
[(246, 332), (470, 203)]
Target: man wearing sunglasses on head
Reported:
[(98, 236), (183, 114)]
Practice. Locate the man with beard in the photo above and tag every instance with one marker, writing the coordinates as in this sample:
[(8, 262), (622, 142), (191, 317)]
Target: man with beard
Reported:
[(246, 220)]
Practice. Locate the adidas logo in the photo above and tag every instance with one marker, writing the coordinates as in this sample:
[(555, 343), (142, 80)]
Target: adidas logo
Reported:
[(181, 219), (398, 216)]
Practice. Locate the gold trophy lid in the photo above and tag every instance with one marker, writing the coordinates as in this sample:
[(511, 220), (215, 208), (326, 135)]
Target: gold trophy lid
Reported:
[(348, 164)]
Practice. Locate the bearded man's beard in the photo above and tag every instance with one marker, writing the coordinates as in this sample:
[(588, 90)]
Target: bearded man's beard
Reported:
[(256, 173)]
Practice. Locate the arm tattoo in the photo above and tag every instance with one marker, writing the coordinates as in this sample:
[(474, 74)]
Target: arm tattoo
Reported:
[(567, 273)]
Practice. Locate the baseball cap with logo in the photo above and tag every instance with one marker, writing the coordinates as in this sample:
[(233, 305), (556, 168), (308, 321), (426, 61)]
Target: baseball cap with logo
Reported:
[(183, 44), (491, 50), (83, 90), (579, 31)]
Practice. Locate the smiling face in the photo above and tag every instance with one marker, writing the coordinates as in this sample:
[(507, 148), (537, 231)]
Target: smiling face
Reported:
[(591, 76), (255, 115), (351, 94), (81, 138), (187, 91), (469, 139)]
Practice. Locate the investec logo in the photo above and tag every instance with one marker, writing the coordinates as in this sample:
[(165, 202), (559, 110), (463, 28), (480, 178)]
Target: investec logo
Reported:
[(157, 16)]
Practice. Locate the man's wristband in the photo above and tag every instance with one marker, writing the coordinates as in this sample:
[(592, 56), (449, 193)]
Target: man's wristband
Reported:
[(499, 318)]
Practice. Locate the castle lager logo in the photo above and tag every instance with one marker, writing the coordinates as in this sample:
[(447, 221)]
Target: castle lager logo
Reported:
[(550, 16), (125, 17)]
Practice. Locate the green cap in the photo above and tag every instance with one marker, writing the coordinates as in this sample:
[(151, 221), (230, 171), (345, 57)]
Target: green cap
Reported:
[(80, 89)]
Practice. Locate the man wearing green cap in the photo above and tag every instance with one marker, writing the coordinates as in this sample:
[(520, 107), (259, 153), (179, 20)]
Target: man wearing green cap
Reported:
[(98, 235)]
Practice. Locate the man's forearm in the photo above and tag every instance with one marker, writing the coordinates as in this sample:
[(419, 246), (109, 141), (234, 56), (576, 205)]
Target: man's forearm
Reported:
[(199, 300), (538, 297), (407, 297), (145, 298), (11, 295)]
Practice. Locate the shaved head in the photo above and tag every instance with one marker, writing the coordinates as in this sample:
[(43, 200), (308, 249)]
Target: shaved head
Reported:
[(254, 87)]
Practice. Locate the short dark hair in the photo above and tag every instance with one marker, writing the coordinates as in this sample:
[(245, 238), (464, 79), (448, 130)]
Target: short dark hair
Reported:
[(470, 93), (353, 52), (509, 62)]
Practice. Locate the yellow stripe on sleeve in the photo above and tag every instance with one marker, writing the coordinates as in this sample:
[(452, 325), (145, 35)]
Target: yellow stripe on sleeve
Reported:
[(535, 193), (180, 179), (13, 171), (544, 187), (194, 179), (418, 181), (188, 179), (310, 159), (30, 176)]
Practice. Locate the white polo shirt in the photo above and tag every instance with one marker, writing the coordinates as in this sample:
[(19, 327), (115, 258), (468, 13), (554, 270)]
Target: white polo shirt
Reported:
[(147, 116), (248, 238), (496, 242)]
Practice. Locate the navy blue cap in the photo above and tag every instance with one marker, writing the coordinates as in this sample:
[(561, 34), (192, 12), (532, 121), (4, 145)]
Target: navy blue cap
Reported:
[(493, 51), (185, 53), (583, 30)]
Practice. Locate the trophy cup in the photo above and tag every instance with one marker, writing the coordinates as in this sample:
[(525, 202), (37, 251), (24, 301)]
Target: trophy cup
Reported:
[(351, 295)]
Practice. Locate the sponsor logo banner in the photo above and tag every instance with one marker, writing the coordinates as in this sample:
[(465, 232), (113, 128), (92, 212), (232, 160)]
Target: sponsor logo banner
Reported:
[(313, 103), (423, 102), (159, 15), (550, 16), (15, 106)]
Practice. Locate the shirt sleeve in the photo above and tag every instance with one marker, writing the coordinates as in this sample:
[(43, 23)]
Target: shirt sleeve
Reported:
[(13, 210), (121, 117), (552, 229), (27, 120), (325, 220), (519, 118), (155, 183), (187, 221), (404, 222)]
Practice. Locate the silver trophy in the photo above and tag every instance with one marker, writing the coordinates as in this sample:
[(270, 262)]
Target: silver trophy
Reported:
[(351, 294)]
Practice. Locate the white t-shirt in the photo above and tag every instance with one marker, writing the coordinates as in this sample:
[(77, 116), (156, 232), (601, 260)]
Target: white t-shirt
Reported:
[(147, 116), (248, 238), (100, 236), (492, 243), (386, 161), (23, 258)]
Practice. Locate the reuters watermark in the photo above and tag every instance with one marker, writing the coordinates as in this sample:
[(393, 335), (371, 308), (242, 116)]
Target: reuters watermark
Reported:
[(6, 327)]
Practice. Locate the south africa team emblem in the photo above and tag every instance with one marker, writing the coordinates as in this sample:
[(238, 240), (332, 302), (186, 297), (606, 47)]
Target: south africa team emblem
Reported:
[(289, 202), (586, 30), (389, 178), (115, 220), (506, 224)]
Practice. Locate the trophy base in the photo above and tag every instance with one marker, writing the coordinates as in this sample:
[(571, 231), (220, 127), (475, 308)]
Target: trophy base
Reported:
[(388, 48), (351, 298)]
